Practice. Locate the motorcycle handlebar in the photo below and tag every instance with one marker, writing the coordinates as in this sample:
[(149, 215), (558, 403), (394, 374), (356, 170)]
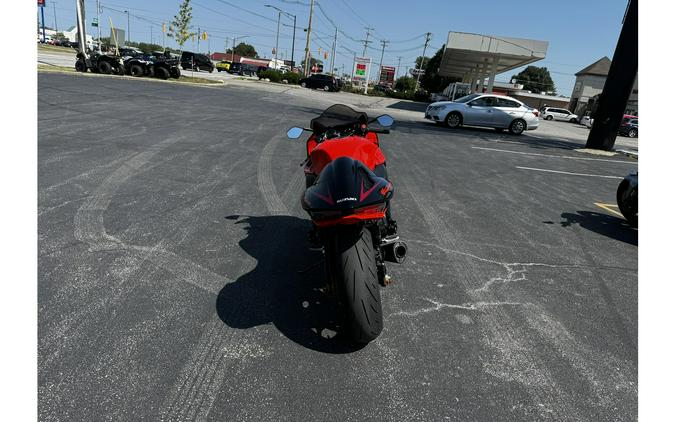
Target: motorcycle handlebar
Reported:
[(378, 130)]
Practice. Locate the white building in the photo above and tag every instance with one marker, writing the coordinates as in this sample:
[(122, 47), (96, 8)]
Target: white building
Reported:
[(589, 84), (71, 34)]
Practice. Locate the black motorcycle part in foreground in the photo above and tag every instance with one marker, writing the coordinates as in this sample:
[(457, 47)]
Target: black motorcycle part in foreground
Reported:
[(351, 262)]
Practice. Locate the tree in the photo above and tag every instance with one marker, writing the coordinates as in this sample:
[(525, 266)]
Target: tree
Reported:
[(418, 61), (535, 79), (144, 47), (180, 25), (405, 84), (244, 50), (431, 81)]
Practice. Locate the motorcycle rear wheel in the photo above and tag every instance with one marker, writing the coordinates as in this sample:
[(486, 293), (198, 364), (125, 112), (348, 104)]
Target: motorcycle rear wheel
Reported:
[(357, 282), (626, 199)]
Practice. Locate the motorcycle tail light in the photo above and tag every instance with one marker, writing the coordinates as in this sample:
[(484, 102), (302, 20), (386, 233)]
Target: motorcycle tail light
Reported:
[(372, 209)]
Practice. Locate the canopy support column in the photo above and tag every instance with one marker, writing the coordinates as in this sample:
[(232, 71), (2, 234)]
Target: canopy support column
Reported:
[(493, 73)]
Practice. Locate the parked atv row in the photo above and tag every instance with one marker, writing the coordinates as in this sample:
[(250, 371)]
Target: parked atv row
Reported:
[(129, 62)]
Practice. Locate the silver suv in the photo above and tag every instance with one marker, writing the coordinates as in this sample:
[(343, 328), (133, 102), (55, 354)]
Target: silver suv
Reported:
[(550, 113)]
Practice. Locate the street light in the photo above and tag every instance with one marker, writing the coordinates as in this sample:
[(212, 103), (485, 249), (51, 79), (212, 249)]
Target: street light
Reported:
[(128, 31), (276, 50)]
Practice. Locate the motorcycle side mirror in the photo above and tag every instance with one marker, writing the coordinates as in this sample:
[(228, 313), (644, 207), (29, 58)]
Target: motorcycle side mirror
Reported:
[(385, 120), (294, 132)]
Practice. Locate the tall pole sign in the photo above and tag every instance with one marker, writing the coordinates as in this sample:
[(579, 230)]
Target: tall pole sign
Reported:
[(362, 71), (41, 4)]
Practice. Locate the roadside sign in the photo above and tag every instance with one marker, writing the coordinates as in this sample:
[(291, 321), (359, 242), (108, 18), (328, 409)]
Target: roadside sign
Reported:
[(387, 75), (362, 71), (94, 22)]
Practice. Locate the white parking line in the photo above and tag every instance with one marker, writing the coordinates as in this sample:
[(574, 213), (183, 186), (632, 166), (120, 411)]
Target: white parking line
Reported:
[(566, 172), (555, 156)]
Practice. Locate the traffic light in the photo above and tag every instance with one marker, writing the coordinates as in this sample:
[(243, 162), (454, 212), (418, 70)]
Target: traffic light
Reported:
[(205, 36), (164, 27)]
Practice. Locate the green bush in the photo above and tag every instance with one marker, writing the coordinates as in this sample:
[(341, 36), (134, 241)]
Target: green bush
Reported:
[(291, 77), (271, 74)]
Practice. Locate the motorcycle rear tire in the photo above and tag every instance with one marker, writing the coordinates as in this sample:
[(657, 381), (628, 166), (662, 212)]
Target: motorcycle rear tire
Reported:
[(356, 273), (626, 199)]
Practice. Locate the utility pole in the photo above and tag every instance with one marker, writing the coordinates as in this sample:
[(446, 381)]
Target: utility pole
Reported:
[(56, 27), (227, 40), (379, 73), (397, 67), (618, 86), (332, 60), (293, 46), (199, 35), (276, 48), (365, 42), (419, 72), (309, 31), (150, 34)]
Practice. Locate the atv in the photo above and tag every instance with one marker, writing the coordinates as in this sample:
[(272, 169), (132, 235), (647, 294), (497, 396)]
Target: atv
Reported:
[(99, 62)]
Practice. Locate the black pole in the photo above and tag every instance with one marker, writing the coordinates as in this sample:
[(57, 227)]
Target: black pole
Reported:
[(618, 86)]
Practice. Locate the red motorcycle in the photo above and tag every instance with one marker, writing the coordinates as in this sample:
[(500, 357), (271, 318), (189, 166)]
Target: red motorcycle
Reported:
[(348, 198)]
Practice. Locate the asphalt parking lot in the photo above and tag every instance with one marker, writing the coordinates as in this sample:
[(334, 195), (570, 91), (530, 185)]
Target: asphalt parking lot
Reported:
[(171, 240)]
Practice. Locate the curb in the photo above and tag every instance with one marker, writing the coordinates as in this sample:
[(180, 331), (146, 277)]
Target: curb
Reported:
[(632, 154), (131, 78)]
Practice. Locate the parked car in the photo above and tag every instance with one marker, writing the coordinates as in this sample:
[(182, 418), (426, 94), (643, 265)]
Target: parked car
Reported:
[(496, 111), (223, 65), (586, 121), (243, 69), (318, 80), (436, 97), (550, 113), (196, 61), (383, 88), (629, 127)]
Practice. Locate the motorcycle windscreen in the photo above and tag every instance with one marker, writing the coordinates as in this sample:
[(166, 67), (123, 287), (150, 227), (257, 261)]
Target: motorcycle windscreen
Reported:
[(346, 185)]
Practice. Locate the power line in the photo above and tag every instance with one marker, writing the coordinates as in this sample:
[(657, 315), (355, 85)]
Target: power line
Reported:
[(247, 11)]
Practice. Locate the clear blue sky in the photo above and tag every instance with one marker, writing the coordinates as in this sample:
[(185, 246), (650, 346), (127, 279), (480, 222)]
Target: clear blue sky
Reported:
[(578, 32)]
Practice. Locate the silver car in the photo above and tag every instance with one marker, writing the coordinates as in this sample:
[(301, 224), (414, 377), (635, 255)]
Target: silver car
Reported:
[(496, 111)]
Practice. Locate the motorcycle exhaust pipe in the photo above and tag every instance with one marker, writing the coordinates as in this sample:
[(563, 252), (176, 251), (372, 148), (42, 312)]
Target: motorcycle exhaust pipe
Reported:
[(395, 252)]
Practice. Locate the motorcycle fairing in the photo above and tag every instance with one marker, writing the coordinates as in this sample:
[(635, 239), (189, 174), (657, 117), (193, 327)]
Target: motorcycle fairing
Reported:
[(346, 191), (357, 147)]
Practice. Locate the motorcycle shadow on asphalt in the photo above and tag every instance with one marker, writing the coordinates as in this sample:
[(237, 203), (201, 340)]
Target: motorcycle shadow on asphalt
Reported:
[(606, 225), (286, 288)]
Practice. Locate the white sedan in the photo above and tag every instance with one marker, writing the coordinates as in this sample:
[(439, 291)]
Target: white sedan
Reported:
[(496, 111)]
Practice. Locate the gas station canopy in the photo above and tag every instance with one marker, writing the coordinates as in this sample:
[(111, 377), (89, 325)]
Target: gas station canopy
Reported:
[(470, 56)]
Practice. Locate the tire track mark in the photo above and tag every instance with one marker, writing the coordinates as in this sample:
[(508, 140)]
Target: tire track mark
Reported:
[(193, 396)]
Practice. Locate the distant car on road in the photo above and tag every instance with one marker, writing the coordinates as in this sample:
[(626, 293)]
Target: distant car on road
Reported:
[(586, 121), (320, 81), (243, 69), (196, 61), (223, 65), (496, 111), (629, 127), (550, 113)]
